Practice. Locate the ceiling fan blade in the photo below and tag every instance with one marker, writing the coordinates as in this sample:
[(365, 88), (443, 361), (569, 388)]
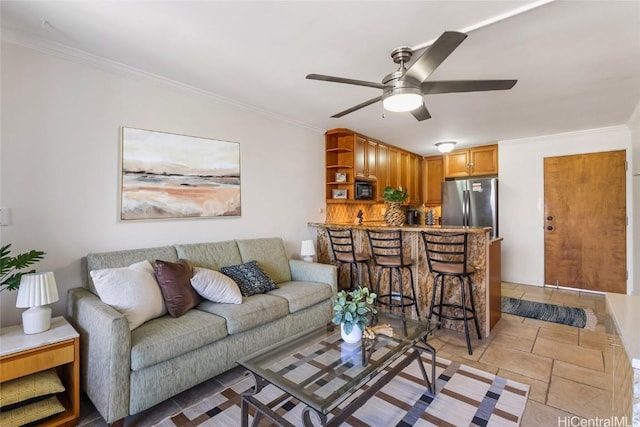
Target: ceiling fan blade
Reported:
[(357, 107), (347, 81), (421, 113), (449, 86), (434, 56)]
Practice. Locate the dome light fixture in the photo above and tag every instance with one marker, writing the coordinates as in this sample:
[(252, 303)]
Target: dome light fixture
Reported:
[(445, 146)]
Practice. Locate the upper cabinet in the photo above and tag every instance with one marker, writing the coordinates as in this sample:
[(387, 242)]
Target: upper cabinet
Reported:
[(434, 175), (366, 166), (476, 161), (352, 157)]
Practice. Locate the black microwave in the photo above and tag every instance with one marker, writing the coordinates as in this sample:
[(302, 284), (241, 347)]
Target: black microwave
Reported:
[(364, 190)]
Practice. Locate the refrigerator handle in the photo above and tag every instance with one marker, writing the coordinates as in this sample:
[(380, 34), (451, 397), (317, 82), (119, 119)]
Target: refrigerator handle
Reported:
[(465, 208)]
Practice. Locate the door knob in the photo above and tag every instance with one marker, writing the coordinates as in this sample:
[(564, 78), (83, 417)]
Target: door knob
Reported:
[(549, 218), (549, 227)]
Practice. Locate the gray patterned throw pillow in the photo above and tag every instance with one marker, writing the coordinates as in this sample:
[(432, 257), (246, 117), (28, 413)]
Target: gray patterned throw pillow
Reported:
[(251, 279)]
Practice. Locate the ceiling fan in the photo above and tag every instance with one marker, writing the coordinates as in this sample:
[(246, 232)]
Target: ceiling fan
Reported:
[(403, 90)]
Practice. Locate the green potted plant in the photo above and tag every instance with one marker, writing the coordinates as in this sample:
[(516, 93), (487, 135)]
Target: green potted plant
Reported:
[(351, 312), (10, 267), (394, 198)]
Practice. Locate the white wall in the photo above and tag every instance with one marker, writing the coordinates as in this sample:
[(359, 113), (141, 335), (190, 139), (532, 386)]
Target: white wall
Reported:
[(522, 196), (634, 126), (60, 163)]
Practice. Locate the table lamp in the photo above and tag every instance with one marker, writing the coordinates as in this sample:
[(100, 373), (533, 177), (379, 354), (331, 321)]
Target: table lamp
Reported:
[(307, 251), (35, 292)]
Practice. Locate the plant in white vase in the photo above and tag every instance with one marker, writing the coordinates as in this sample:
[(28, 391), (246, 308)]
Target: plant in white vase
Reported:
[(351, 312)]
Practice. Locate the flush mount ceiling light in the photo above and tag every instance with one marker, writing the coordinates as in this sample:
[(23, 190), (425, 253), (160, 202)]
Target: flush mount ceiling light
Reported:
[(445, 146)]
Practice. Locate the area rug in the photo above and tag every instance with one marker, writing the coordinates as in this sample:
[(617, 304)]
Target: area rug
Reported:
[(465, 397), (572, 316)]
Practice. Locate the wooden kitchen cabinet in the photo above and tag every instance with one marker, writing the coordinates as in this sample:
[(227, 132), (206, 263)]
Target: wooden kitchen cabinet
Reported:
[(433, 169), (366, 165), (475, 161), (416, 186), (351, 157), (382, 170)]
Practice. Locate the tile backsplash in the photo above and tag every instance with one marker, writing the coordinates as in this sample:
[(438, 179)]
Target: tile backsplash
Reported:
[(346, 212)]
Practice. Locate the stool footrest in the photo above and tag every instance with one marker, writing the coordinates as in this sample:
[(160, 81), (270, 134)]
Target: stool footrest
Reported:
[(437, 311), (388, 300)]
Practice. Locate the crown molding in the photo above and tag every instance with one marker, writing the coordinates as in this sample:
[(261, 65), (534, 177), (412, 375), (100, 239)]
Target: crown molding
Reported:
[(63, 51)]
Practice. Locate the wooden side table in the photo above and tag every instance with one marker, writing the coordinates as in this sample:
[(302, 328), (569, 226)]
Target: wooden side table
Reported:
[(58, 347)]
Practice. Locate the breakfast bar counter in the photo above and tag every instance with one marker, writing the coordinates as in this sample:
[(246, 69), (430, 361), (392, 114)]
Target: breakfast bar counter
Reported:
[(483, 254)]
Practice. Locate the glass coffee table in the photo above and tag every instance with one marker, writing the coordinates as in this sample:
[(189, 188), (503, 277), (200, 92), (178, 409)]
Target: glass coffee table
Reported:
[(321, 371)]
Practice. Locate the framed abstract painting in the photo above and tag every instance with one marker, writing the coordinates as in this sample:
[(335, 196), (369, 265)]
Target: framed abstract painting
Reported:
[(166, 176)]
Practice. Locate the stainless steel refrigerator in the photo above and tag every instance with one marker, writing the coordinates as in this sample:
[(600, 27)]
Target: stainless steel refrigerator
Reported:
[(471, 203)]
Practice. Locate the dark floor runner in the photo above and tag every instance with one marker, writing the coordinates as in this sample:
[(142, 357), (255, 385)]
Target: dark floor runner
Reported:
[(572, 316)]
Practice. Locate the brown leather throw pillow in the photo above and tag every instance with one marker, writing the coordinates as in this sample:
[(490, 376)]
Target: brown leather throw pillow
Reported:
[(174, 279)]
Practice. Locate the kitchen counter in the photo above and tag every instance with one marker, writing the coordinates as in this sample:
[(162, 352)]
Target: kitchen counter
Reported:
[(479, 245)]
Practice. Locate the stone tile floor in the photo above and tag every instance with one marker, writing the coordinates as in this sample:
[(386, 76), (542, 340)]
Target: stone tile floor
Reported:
[(566, 367)]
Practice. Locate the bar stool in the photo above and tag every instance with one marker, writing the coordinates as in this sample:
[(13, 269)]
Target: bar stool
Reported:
[(344, 253), (447, 257), (386, 248)]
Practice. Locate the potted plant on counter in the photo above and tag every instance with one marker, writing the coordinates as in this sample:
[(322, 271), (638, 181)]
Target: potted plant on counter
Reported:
[(394, 198), (351, 312)]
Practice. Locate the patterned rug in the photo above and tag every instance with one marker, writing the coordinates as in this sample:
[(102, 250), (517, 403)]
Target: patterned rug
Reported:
[(465, 397), (572, 316)]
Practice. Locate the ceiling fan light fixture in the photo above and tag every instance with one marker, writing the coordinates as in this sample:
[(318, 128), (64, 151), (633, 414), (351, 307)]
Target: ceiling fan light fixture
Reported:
[(445, 146), (402, 100)]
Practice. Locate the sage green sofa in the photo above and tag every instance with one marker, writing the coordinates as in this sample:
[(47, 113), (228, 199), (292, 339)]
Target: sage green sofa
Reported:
[(124, 372)]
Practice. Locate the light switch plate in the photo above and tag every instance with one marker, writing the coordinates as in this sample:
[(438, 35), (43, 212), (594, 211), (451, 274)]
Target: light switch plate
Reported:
[(5, 216)]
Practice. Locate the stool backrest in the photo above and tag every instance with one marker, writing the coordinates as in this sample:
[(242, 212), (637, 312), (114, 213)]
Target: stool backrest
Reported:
[(341, 243), (387, 243), (445, 248)]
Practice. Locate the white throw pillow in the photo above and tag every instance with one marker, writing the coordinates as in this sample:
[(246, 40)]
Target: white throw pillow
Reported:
[(133, 291), (215, 286)]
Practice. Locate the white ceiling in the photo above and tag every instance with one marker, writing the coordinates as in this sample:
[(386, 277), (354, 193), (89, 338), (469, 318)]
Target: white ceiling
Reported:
[(577, 62)]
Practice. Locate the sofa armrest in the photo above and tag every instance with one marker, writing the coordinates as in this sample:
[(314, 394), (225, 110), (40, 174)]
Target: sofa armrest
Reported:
[(314, 272), (105, 352)]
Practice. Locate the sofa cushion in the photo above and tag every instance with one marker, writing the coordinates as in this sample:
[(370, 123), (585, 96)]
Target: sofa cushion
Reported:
[(210, 255), (270, 254), (174, 279), (251, 279), (301, 295), (133, 291), (166, 337), (254, 311), (215, 286), (99, 261)]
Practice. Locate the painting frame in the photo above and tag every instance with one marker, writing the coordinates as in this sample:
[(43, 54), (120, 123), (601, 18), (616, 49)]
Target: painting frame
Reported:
[(174, 176), (339, 193)]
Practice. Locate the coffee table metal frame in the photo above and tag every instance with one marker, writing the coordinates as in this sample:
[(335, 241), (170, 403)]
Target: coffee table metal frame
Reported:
[(411, 345)]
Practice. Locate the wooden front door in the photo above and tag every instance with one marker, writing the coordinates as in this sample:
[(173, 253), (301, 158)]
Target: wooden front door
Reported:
[(585, 221)]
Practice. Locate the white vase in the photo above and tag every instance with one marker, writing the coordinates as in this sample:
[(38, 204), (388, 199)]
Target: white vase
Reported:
[(352, 338)]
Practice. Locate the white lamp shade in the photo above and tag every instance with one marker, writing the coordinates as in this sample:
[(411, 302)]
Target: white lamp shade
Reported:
[(446, 146), (37, 289), (307, 248)]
